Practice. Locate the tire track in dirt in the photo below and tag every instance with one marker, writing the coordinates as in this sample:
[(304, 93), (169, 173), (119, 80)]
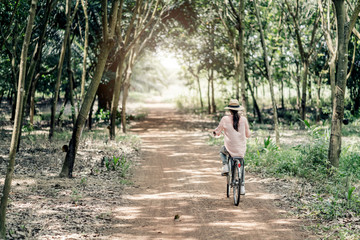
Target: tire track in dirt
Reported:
[(179, 174)]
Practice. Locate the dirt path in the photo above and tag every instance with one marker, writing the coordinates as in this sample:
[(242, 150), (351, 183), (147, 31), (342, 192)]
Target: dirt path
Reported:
[(179, 174)]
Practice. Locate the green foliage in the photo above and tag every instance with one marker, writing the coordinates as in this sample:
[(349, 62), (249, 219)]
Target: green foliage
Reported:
[(118, 164), (334, 191), (269, 144), (103, 115), (83, 182), (75, 196), (28, 128)]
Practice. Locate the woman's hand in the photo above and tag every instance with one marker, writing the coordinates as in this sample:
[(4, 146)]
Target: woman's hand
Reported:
[(212, 132)]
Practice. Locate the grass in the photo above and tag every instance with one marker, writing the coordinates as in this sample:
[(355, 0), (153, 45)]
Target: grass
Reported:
[(333, 195)]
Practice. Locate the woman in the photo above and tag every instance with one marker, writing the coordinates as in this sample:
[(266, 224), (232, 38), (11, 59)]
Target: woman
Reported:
[(236, 130)]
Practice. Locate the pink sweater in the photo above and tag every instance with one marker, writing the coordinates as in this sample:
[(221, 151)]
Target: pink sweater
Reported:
[(235, 142)]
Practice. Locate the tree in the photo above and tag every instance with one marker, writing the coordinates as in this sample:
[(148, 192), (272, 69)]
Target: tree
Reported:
[(305, 54), (108, 32), (86, 45), (332, 47), (17, 123), (269, 74), (233, 20), (344, 29), (69, 19), (143, 16)]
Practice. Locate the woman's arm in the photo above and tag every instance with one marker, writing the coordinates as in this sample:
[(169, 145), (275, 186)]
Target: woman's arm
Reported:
[(220, 128)]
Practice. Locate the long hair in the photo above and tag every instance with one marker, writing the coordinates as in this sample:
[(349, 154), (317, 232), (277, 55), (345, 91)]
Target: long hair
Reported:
[(236, 118)]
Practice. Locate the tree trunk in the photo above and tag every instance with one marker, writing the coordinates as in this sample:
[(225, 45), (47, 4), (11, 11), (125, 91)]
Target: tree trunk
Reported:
[(61, 61), (105, 48), (62, 109), (126, 85), (282, 94), (116, 96), (71, 82), (332, 69), (318, 100), (256, 106), (277, 137), (341, 72), (199, 87), (208, 96), (68, 165), (241, 50), (16, 129), (86, 45), (213, 104), (237, 79), (304, 85), (32, 101), (90, 114), (13, 107), (105, 93), (123, 110), (309, 90), (298, 94)]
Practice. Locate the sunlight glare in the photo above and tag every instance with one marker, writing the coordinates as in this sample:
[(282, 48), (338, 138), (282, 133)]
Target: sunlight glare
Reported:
[(168, 60)]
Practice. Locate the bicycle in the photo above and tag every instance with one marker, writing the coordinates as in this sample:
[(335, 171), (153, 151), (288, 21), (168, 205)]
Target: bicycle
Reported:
[(235, 177)]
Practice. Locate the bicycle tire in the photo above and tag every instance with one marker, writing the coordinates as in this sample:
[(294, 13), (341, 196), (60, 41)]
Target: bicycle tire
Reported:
[(228, 186), (236, 184)]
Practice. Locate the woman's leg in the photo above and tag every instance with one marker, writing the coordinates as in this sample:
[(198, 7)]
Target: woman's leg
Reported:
[(242, 188), (223, 158)]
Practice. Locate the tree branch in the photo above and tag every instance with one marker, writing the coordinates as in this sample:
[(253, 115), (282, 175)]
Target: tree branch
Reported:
[(233, 11), (353, 20), (104, 20), (352, 63), (297, 31)]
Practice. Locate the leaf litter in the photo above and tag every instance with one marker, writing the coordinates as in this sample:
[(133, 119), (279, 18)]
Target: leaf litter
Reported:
[(44, 206)]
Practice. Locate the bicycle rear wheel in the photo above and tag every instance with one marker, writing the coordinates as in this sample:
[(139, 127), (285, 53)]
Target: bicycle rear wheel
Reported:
[(236, 185), (228, 186)]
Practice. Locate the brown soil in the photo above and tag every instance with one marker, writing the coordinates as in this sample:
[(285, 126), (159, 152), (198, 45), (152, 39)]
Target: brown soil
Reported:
[(179, 175)]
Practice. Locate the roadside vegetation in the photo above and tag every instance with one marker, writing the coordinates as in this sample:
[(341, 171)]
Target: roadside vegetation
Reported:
[(310, 188)]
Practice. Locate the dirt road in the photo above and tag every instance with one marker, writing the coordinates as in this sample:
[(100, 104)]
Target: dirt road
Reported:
[(179, 174)]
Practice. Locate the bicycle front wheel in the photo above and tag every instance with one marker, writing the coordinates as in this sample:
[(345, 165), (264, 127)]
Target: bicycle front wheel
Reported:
[(236, 185)]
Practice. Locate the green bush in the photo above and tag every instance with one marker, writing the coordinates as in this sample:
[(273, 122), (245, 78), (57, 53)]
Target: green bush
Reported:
[(117, 164), (102, 115)]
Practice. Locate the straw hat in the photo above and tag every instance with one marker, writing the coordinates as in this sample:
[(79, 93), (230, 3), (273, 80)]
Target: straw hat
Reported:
[(234, 105)]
